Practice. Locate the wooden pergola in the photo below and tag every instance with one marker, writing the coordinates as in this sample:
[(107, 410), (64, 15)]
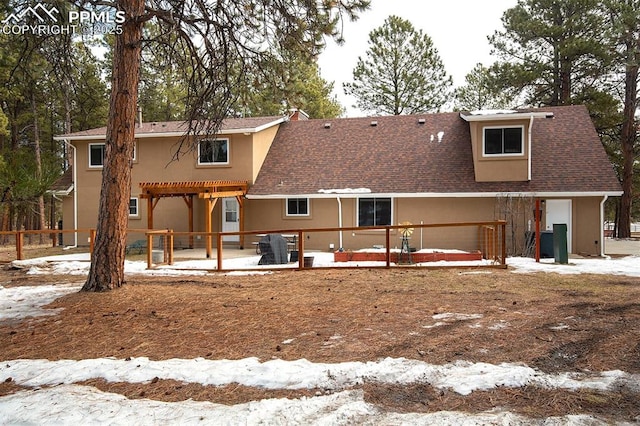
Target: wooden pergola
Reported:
[(209, 191)]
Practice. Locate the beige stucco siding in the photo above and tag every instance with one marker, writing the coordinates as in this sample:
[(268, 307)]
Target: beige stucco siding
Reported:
[(499, 168), (154, 163), (270, 214), (261, 144), (586, 226)]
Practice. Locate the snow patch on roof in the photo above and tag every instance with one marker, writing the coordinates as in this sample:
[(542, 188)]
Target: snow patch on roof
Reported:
[(492, 111), (345, 191)]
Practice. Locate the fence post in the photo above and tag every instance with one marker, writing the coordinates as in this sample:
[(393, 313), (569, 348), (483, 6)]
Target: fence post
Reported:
[(218, 250), (503, 229), (170, 243), (19, 245), (149, 250), (300, 250), (165, 245), (388, 245)]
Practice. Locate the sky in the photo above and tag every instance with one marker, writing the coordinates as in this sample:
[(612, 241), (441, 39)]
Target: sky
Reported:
[(458, 29), (54, 396)]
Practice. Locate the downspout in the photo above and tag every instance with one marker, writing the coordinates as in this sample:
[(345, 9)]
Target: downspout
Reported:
[(602, 224), (529, 137), (75, 194), (340, 220)]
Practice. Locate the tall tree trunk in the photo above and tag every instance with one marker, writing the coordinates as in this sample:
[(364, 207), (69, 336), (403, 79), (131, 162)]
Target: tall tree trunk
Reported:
[(107, 261), (66, 96), (38, 157), (627, 140)]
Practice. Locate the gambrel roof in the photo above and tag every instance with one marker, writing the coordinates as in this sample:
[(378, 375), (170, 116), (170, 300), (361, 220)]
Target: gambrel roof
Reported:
[(428, 155)]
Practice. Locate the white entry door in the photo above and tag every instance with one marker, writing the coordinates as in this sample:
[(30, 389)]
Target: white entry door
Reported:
[(230, 218), (559, 211)]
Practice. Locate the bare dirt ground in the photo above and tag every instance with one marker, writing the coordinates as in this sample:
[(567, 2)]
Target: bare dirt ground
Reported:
[(555, 323)]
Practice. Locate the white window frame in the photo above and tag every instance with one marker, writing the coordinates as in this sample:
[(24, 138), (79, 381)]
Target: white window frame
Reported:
[(215, 163), (289, 214), (502, 154), (375, 198), (104, 149), (137, 207)]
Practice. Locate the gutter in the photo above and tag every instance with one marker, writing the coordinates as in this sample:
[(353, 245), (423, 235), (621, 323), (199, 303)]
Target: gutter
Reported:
[(161, 134), (604, 199), (75, 191), (543, 194), (340, 221), (529, 159)]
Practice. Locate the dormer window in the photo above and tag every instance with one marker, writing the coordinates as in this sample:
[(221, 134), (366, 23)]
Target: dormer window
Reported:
[(503, 141)]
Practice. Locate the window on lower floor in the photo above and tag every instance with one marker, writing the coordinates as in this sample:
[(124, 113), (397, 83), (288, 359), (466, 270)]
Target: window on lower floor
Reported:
[(133, 207), (297, 207), (374, 211)]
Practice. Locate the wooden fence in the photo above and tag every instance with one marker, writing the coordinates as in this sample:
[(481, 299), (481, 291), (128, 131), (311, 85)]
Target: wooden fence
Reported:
[(491, 240)]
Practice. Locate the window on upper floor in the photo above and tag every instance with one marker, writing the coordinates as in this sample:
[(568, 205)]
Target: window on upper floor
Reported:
[(374, 211), (97, 154), (213, 151), (133, 207), (297, 207), (503, 141)]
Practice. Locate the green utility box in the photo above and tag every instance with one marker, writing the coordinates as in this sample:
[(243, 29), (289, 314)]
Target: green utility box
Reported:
[(560, 252), (546, 244)]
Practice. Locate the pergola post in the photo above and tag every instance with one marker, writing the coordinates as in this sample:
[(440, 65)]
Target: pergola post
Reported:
[(209, 205), (189, 202), (150, 212), (209, 191), (241, 218)]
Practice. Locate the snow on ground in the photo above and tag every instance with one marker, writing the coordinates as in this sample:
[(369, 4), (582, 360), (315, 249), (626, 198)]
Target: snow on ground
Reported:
[(79, 265), (72, 405), (56, 399), (20, 302), (461, 377), (629, 266)]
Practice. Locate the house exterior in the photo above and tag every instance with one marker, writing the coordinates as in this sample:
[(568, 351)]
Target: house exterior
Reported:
[(294, 172)]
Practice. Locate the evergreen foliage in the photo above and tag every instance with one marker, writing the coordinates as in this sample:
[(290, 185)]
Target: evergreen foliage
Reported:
[(401, 73)]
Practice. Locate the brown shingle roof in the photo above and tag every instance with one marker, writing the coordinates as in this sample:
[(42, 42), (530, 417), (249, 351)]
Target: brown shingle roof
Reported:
[(64, 184), (173, 127), (398, 156)]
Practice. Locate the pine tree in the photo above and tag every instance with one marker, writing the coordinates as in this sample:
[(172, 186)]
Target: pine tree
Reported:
[(551, 50), (402, 72), (207, 39), (481, 92), (625, 34)]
